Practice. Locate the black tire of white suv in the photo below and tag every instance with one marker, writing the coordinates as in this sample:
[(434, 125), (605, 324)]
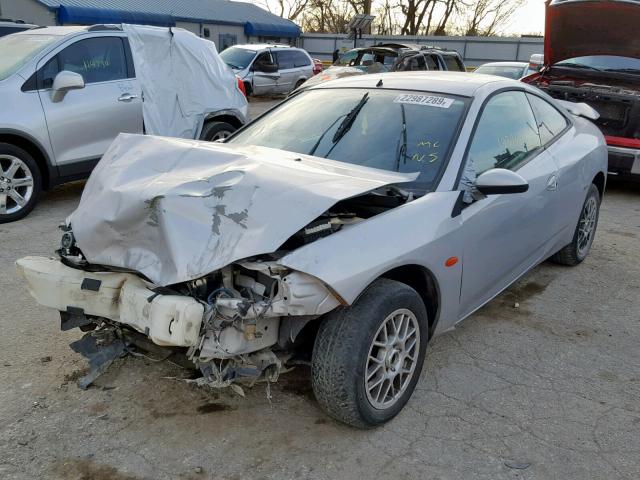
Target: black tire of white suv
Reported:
[(20, 183)]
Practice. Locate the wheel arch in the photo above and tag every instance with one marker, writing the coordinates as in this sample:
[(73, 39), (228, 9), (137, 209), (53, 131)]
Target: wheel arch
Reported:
[(424, 282), (228, 117), (600, 181), (48, 172)]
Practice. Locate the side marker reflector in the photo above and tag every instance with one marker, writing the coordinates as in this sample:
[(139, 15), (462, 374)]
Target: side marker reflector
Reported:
[(451, 261)]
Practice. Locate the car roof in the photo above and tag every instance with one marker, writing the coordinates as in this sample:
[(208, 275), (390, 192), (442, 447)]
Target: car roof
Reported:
[(505, 64), (455, 83), (261, 46), (59, 31)]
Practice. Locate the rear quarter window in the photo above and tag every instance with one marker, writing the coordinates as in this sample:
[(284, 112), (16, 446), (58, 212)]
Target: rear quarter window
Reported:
[(453, 63), (300, 59)]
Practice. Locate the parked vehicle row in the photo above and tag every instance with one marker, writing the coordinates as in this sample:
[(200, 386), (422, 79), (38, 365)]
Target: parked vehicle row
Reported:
[(390, 57)]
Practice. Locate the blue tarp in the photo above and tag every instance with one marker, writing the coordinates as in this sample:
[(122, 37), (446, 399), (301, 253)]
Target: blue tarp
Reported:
[(90, 16), (260, 29)]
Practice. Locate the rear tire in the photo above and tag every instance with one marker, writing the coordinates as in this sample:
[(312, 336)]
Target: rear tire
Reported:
[(366, 362), (579, 248), (213, 131), (20, 183)]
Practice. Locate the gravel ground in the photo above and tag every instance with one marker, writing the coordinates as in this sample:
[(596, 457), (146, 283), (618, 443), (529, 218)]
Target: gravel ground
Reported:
[(549, 390)]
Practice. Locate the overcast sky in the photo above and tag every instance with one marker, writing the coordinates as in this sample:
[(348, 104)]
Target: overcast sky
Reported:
[(528, 19)]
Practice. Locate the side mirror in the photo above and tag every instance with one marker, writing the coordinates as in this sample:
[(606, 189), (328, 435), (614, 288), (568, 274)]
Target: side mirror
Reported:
[(500, 181), (65, 81), (266, 67)]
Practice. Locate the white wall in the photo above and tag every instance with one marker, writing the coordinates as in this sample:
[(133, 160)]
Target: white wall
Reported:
[(28, 10)]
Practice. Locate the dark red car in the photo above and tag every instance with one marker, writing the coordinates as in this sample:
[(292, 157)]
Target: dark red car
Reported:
[(592, 55)]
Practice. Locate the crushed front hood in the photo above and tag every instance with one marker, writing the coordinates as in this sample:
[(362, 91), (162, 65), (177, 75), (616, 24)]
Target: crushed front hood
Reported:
[(578, 28), (176, 210)]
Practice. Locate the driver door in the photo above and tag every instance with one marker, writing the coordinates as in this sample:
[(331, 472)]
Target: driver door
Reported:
[(85, 122), (264, 83), (507, 234)]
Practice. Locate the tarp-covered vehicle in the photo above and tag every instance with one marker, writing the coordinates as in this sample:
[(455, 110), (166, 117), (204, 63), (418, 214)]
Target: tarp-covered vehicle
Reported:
[(338, 237), (67, 92), (592, 55)]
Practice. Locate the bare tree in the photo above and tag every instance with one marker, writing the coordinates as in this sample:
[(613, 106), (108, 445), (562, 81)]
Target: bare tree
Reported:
[(414, 12), (385, 22), (489, 17), (291, 9), (325, 16)]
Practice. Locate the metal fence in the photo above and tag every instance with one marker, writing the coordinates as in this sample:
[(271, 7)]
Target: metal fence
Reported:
[(474, 50)]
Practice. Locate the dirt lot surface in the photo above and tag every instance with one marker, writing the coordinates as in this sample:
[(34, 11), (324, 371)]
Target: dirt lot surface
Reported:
[(549, 390)]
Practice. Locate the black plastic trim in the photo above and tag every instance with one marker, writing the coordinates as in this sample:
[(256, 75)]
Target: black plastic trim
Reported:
[(498, 190)]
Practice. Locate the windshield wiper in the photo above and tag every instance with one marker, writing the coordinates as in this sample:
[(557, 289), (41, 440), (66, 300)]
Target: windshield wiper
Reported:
[(317, 144), (349, 119), (402, 151)]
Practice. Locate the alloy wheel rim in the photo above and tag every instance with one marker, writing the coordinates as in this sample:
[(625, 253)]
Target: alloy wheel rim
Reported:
[(392, 359), (16, 184), (221, 135), (586, 226)]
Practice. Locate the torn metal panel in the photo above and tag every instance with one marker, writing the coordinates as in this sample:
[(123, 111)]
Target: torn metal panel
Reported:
[(176, 210), (100, 353)]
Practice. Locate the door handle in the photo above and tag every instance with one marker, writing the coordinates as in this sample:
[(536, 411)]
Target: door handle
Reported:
[(552, 183), (127, 97)]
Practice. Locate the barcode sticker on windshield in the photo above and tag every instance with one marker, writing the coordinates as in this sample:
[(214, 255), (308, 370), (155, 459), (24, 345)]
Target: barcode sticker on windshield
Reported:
[(429, 100)]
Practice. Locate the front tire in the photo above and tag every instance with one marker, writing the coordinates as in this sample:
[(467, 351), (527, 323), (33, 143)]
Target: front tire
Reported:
[(214, 131), (580, 246), (20, 183), (367, 358)]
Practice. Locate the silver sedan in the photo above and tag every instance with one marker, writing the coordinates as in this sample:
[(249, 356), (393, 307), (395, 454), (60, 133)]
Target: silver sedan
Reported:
[(348, 226)]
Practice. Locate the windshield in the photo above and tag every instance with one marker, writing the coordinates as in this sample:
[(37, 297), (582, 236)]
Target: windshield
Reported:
[(603, 63), (386, 129), (502, 71), (238, 58), (17, 50)]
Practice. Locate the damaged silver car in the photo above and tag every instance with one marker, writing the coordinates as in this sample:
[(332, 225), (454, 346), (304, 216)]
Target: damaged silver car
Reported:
[(345, 229)]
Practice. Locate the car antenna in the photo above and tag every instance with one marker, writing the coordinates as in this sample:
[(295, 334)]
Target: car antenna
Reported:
[(379, 84)]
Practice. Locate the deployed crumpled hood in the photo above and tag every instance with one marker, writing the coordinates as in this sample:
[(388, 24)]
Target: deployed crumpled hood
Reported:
[(176, 210), (577, 28)]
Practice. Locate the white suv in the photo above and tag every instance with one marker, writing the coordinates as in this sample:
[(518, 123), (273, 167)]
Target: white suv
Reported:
[(269, 69), (66, 93)]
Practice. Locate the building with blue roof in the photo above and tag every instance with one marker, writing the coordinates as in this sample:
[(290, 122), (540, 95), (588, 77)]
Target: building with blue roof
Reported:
[(224, 22)]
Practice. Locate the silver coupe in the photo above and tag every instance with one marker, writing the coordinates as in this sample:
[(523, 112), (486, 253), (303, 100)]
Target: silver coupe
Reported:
[(344, 229)]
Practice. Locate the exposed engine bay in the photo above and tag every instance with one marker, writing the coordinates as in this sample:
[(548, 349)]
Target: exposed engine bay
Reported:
[(241, 322), (618, 106)]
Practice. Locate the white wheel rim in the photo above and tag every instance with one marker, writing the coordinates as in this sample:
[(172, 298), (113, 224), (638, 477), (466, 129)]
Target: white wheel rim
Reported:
[(392, 359), (16, 184)]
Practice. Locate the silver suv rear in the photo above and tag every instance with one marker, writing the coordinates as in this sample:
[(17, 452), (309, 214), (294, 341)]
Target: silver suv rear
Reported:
[(69, 91), (269, 69)]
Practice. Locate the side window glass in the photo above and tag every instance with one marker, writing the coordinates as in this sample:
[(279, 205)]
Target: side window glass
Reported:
[(285, 60), (49, 72), (264, 57), (550, 122), (506, 135), (452, 63), (301, 60), (432, 62), (96, 59)]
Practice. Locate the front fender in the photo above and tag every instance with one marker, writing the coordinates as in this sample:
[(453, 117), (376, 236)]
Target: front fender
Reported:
[(422, 232)]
